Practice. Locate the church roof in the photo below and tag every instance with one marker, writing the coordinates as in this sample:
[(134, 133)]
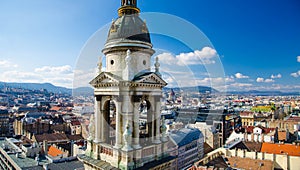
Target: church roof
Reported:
[(128, 27)]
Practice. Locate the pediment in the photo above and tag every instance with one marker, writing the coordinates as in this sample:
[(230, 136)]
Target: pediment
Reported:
[(150, 78), (105, 78)]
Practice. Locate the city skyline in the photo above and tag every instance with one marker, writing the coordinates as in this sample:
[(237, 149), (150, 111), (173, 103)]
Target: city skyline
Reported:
[(255, 41)]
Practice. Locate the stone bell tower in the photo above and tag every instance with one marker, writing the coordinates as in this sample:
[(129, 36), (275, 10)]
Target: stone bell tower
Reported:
[(128, 132)]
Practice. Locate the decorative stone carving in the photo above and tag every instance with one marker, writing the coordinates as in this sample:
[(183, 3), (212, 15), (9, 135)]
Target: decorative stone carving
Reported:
[(100, 65), (163, 129), (128, 73), (157, 65), (127, 137), (92, 128)]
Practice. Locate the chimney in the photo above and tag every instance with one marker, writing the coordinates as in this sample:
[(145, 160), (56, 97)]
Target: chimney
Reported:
[(45, 147)]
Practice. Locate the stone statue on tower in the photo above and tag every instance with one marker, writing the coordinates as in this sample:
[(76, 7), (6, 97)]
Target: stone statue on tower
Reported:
[(100, 65), (127, 73)]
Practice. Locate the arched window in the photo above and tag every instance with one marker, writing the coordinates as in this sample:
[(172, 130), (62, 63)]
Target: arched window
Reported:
[(144, 108)]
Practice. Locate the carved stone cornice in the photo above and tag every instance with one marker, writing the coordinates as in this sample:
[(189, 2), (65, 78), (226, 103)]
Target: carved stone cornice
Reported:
[(146, 80)]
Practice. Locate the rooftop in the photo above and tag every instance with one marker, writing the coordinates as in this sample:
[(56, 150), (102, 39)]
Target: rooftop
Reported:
[(247, 163), (53, 151), (12, 151), (54, 137), (249, 129), (97, 163), (288, 149), (218, 163), (253, 146), (66, 165), (185, 135)]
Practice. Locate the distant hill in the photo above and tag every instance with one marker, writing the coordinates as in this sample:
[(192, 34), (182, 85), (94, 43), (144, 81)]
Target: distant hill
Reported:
[(201, 89), (264, 93), (88, 91), (83, 91), (37, 86)]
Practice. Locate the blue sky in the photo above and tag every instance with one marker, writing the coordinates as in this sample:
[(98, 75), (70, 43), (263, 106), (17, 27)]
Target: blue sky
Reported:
[(40, 41)]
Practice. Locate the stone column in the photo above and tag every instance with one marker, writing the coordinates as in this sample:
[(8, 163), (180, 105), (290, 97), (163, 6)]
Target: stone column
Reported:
[(102, 122), (118, 126), (127, 111), (98, 120), (151, 119), (157, 114), (105, 120), (136, 130)]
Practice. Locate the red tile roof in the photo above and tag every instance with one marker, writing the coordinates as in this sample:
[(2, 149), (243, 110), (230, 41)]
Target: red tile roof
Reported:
[(249, 129), (55, 108), (245, 163), (294, 119), (75, 123), (53, 151), (289, 149), (53, 137), (282, 135), (268, 130)]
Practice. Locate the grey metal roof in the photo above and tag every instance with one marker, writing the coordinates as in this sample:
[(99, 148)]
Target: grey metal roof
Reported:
[(141, 75), (185, 136), (100, 164), (129, 27), (66, 165)]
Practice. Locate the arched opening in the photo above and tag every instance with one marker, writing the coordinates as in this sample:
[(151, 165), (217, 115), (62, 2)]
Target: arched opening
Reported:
[(109, 114), (144, 118)]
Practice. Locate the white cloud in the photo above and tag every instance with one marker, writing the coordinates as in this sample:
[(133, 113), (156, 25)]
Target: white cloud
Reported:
[(20, 76), (167, 58), (188, 81), (205, 56), (208, 80), (59, 76), (296, 74), (259, 80), (229, 79), (298, 59), (240, 76), (7, 64), (218, 83), (278, 87), (269, 80), (278, 76), (55, 70), (83, 77), (241, 84)]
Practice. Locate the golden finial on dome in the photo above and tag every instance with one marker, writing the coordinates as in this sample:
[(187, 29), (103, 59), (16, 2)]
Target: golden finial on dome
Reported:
[(128, 7)]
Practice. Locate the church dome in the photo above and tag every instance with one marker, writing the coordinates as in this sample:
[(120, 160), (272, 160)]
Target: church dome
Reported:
[(128, 27)]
